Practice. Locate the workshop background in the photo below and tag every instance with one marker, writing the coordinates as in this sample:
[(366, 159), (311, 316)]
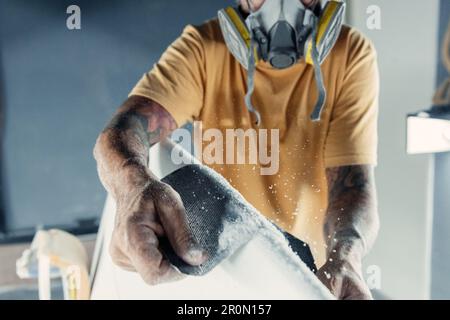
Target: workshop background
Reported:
[(58, 87)]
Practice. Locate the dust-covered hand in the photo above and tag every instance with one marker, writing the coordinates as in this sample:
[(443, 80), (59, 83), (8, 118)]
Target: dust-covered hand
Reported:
[(144, 215), (147, 209), (344, 279)]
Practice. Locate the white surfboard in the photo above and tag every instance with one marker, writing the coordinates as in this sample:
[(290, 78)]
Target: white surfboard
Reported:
[(259, 270)]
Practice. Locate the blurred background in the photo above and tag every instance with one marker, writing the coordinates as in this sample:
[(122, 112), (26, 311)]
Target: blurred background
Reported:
[(58, 88)]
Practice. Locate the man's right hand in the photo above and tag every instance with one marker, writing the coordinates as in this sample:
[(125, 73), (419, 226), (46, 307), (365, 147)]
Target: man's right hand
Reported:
[(143, 216), (147, 209)]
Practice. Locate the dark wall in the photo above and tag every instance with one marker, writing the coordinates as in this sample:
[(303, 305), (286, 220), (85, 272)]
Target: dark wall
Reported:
[(60, 87), (441, 220)]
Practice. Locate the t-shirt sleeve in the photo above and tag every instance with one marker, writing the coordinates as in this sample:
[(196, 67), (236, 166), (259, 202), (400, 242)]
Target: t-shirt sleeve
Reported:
[(352, 135), (176, 82)]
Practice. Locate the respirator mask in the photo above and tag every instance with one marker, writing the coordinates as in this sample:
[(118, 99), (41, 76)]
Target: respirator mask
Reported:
[(283, 32)]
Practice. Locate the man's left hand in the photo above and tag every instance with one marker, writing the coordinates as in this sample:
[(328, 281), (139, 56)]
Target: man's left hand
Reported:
[(344, 280)]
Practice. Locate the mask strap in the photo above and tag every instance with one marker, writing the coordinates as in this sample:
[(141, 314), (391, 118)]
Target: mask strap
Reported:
[(251, 78), (320, 104)]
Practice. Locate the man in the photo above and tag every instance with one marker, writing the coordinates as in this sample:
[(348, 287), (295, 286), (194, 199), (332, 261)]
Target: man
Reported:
[(198, 79)]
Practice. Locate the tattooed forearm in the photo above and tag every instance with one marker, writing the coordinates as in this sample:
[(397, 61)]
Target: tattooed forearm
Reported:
[(352, 222), (125, 142), (143, 121)]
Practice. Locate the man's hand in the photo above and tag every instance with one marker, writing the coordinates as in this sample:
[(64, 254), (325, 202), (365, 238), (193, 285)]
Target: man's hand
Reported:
[(351, 227), (147, 209), (344, 280), (144, 216)]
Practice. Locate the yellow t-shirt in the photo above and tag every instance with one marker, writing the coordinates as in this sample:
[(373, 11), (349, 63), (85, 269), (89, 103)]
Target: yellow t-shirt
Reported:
[(198, 79)]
